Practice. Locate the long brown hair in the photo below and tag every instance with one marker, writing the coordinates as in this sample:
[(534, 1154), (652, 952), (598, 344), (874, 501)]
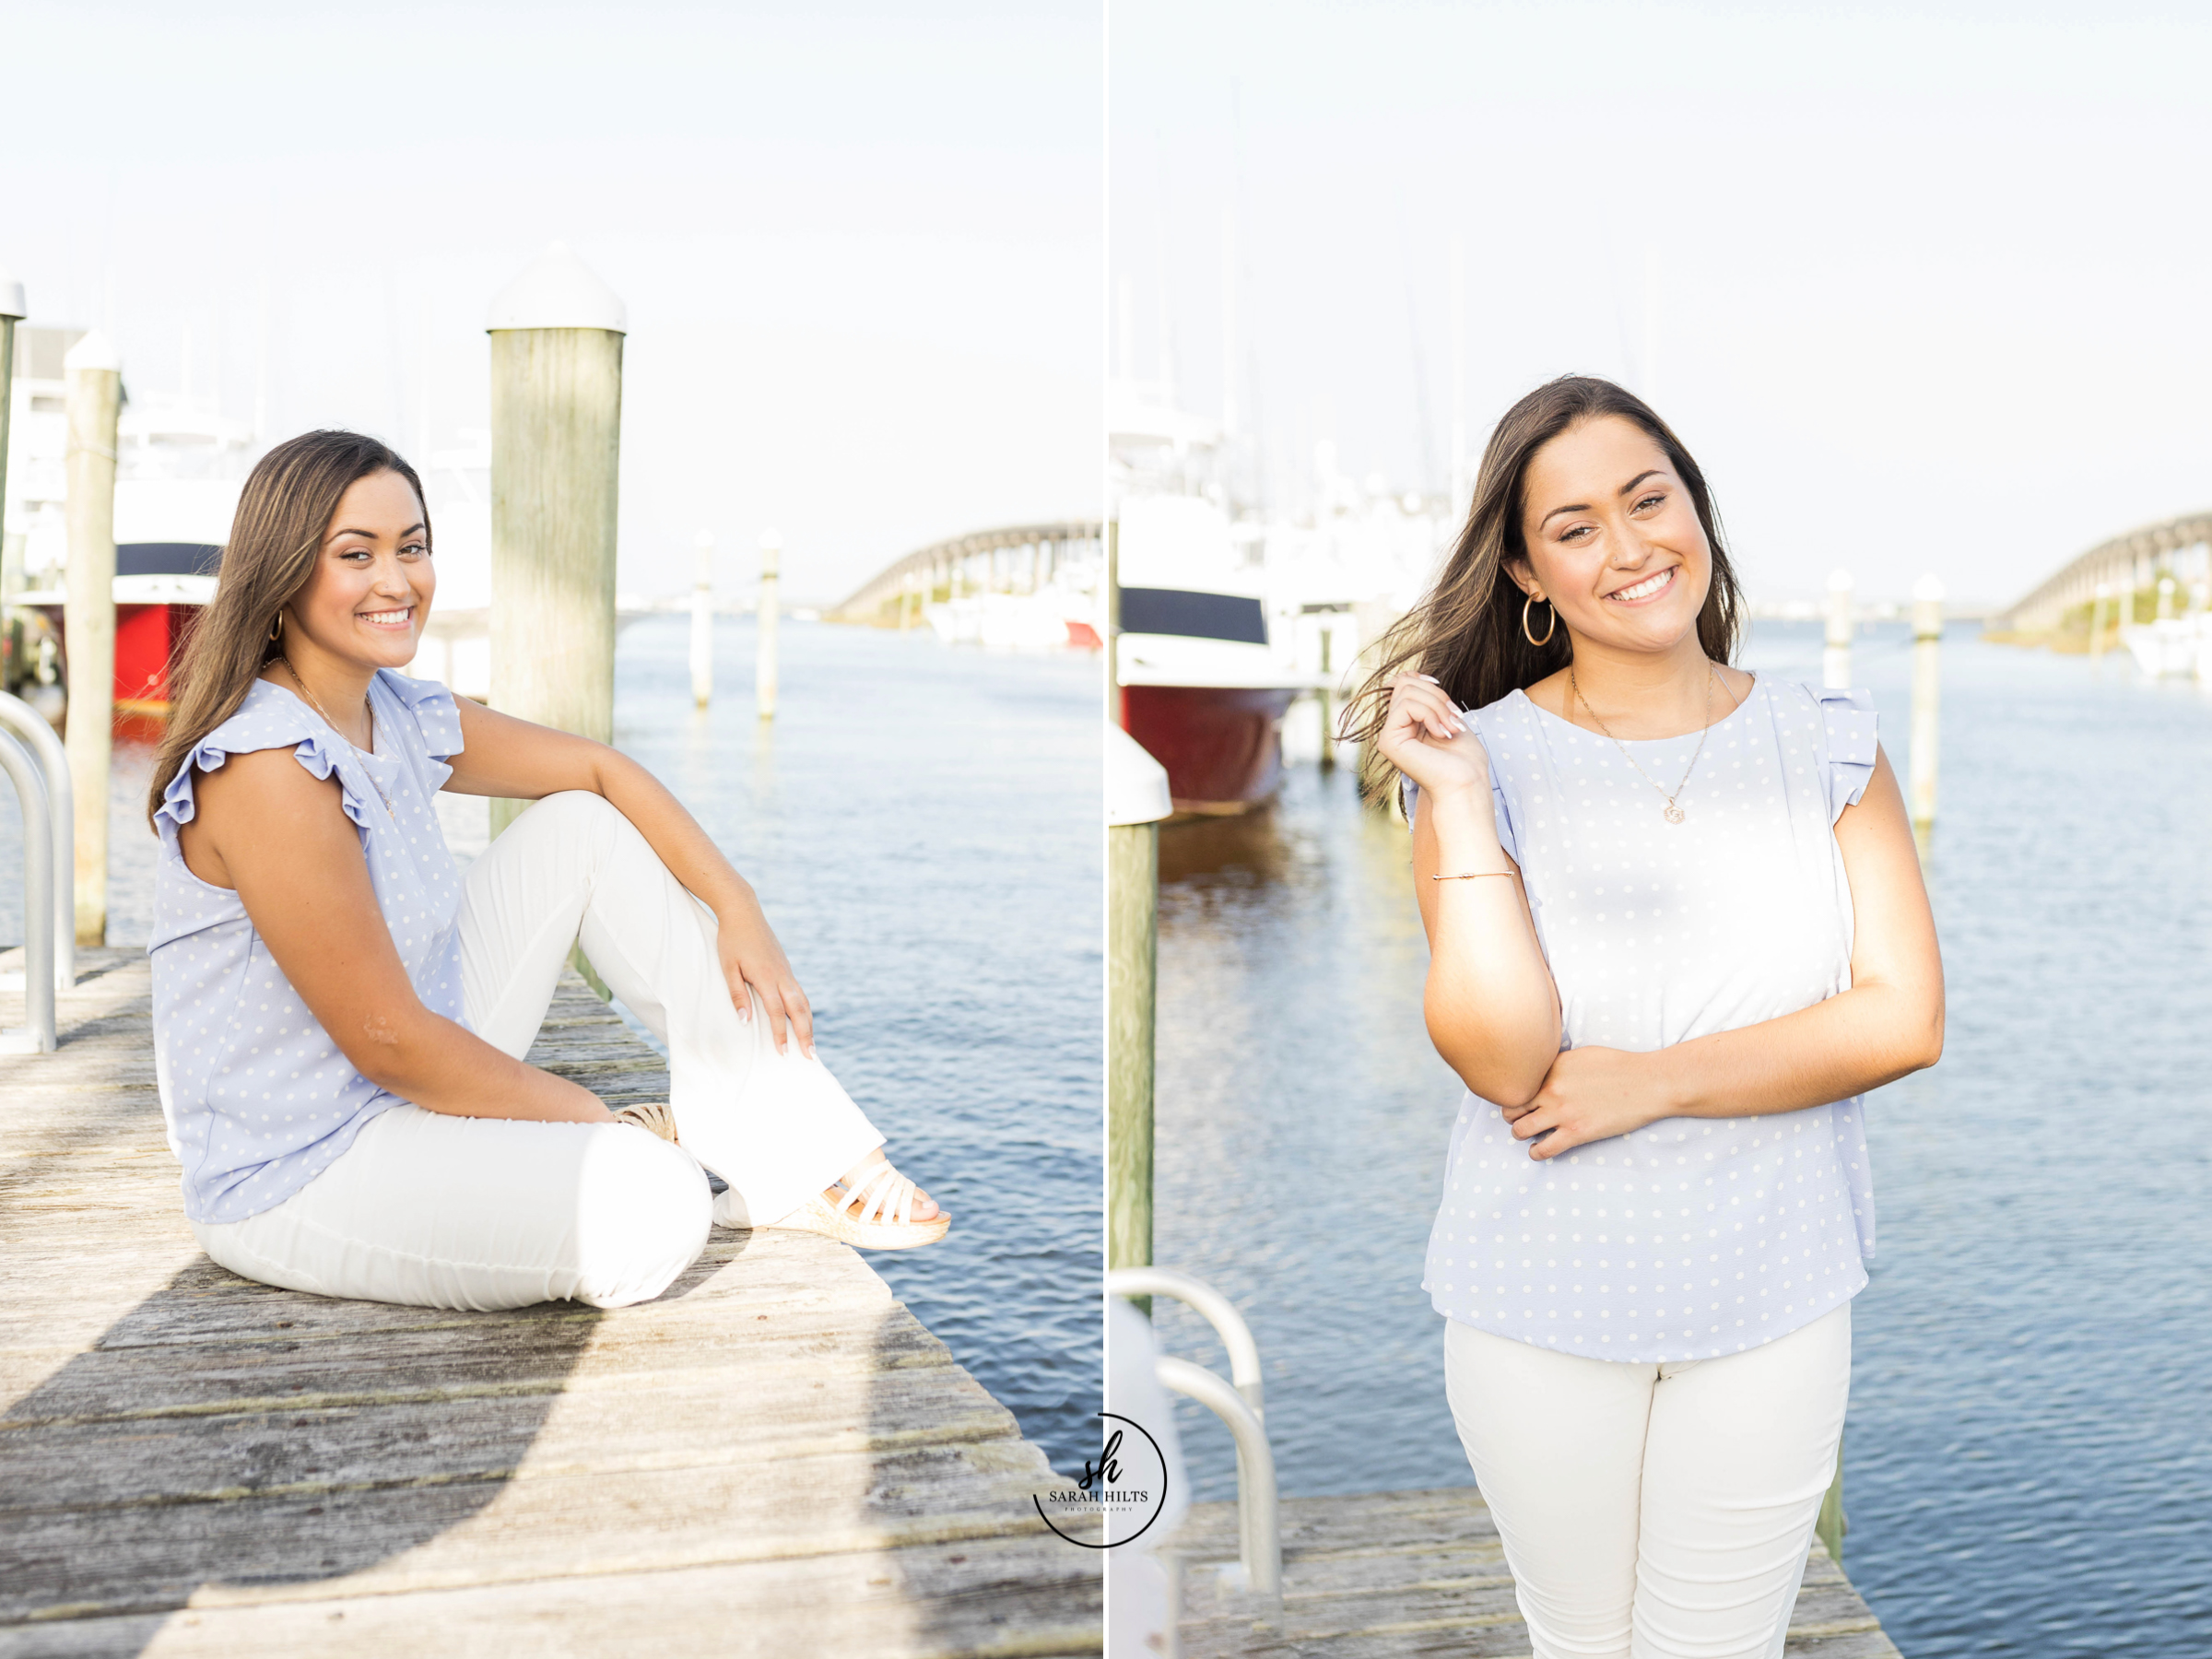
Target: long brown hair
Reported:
[(283, 513), (1466, 629)]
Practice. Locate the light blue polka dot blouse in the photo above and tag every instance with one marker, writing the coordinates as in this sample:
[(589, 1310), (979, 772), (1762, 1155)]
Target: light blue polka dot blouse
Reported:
[(257, 1098), (1690, 1237)]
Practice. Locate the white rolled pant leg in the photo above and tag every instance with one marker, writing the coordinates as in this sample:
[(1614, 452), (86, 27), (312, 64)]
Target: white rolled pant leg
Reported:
[(1653, 1511), (775, 1126), (480, 1213)]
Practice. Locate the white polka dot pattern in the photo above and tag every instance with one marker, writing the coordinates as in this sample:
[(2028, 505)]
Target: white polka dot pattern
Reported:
[(1692, 1237), (257, 1098)]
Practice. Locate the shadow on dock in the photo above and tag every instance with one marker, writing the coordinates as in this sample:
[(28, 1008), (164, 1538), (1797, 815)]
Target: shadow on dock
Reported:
[(225, 1436)]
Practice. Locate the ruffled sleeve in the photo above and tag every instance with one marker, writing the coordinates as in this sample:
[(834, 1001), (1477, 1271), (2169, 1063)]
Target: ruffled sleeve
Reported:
[(1848, 720), (434, 710), (263, 722)]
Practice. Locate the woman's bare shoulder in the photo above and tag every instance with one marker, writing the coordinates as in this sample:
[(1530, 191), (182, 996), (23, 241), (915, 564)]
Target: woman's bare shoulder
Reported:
[(259, 807)]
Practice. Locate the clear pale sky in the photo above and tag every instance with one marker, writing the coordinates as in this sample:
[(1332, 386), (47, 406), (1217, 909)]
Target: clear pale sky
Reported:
[(1932, 282), (861, 244)]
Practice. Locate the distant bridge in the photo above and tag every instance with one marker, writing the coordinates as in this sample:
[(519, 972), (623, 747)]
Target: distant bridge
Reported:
[(1018, 560), (2124, 564)]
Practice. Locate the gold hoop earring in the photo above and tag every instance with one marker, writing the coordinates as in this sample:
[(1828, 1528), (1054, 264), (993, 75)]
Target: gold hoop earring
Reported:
[(1529, 634), (276, 629)]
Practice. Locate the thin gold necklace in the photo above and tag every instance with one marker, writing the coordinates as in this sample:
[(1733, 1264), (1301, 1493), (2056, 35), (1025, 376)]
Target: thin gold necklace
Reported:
[(1672, 813), (312, 703)]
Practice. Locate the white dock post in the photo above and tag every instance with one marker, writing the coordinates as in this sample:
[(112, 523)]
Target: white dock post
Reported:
[(2097, 620), (1835, 661), (1927, 686), (94, 375), (557, 335), (2165, 611), (702, 623), (764, 680)]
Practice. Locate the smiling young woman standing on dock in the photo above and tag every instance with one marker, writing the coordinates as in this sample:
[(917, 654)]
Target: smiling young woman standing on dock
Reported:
[(1676, 927), (340, 1014)]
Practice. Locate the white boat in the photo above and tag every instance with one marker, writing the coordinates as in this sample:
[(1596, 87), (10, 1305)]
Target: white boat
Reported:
[(2173, 647), (180, 465)]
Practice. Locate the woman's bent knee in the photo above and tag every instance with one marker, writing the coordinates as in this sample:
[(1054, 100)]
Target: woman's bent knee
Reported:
[(571, 808), (644, 1211)]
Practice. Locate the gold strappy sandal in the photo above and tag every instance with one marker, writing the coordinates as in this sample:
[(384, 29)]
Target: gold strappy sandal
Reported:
[(652, 1116), (876, 1215)]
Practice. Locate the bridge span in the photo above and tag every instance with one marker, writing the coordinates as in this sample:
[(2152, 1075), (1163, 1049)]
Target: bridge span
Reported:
[(2180, 547), (1020, 558)]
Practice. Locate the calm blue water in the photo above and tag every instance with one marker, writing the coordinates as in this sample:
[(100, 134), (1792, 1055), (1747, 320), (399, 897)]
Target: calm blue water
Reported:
[(922, 827), (2026, 1463)]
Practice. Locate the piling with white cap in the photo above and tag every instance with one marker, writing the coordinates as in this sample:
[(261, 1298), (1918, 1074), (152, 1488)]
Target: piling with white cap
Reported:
[(1137, 800), (557, 334), (1835, 661), (1927, 687), (764, 676), (93, 375), (702, 622)]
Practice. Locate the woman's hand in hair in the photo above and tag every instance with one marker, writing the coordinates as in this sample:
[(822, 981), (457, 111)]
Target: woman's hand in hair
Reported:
[(1426, 736), (1590, 1094)]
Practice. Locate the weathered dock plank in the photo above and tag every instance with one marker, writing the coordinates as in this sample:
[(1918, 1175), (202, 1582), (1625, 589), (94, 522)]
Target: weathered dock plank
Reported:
[(774, 1457), (1397, 1575)]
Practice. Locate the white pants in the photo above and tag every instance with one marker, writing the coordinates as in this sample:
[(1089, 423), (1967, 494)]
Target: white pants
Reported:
[(1653, 1511), (459, 1212)]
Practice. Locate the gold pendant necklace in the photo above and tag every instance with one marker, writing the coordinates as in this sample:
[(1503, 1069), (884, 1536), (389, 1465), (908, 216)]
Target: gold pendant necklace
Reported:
[(389, 810), (1672, 813)]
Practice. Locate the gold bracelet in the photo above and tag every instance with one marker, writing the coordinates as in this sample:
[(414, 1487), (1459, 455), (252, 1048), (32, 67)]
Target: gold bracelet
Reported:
[(1470, 875)]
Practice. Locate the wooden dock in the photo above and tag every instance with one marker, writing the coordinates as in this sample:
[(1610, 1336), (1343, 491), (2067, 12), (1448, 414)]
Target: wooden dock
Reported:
[(773, 1458), (1393, 1575)]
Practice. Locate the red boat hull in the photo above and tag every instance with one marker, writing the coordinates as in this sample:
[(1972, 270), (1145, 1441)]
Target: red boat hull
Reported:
[(1222, 746)]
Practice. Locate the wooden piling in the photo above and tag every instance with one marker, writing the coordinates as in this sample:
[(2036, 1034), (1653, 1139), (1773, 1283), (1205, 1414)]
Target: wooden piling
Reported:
[(1927, 685), (702, 622), (557, 335), (1132, 978), (13, 309), (1835, 661), (94, 400), (2097, 620), (764, 673), (1327, 699), (1136, 799)]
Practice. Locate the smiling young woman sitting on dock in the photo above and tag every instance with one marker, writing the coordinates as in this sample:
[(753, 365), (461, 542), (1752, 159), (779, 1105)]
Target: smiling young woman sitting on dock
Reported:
[(1676, 928), (340, 1014)]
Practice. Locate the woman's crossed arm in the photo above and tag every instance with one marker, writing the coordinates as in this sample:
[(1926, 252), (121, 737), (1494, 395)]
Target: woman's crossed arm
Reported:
[(1889, 1024)]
